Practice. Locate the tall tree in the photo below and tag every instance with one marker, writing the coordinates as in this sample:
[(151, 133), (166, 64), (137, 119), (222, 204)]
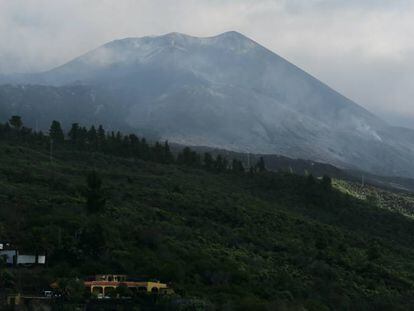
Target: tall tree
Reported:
[(56, 132), (118, 137), (326, 182), (188, 157), (237, 166), (208, 161), (144, 149), (221, 163), (74, 133), (261, 166), (16, 122), (157, 152), (101, 136), (92, 137), (168, 156)]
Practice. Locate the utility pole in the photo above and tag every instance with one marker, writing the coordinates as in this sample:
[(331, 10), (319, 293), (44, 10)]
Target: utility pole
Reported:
[(363, 180)]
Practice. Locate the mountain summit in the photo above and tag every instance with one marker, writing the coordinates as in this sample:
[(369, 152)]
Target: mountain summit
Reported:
[(227, 91)]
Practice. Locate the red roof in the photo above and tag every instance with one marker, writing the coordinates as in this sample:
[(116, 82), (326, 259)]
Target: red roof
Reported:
[(114, 283)]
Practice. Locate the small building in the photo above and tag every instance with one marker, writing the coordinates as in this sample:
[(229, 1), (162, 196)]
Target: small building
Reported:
[(102, 285), (15, 300), (12, 256)]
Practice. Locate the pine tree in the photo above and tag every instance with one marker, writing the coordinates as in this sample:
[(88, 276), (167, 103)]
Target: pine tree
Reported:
[(118, 137), (310, 180), (56, 132), (208, 161), (101, 136), (74, 133), (261, 167), (326, 182), (134, 146), (168, 156), (92, 137), (16, 122), (144, 149), (157, 152), (188, 157), (220, 164), (237, 166)]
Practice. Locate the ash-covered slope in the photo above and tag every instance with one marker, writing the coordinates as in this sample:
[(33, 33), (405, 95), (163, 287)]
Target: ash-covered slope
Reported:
[(229, 92)]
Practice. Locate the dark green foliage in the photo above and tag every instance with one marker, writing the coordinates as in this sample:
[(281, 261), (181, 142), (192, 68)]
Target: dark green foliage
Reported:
[(95, 199), (374, 251), (189, 158), (237, 166), (92, 137), (226, 240), (260, 166), (101, 137), (56, 132), (16, 122), (162, 154), (208, 161), (7, 278), (221, 164), (167, 154), (72, 288), (74, 133), (124, 291), (402, 202), (326, 182)]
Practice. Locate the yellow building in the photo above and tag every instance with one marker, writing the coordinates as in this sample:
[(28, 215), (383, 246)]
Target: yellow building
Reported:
[(103, 285)]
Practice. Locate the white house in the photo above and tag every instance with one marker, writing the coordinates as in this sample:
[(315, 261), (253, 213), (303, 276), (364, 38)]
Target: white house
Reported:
[(12, 256)]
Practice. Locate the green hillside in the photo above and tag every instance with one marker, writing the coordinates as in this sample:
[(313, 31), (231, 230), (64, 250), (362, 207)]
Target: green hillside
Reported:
[(235, 241), (402, 202)]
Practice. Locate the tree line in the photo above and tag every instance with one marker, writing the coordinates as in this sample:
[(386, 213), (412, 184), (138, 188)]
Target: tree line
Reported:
[(116, 143)]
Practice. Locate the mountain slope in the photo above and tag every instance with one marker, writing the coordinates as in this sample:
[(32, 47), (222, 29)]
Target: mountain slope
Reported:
[(239, 241), (229, 92)]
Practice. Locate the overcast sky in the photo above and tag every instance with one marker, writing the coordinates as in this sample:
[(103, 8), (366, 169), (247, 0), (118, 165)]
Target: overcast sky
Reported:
[(362, 48)]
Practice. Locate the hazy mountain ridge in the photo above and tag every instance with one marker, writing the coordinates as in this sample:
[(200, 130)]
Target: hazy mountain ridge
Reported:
[(229, 92)]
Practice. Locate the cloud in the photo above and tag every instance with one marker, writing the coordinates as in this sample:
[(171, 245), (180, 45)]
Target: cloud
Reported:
[(363, 49)]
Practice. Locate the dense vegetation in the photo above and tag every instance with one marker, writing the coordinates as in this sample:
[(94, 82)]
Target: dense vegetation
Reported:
[(235, 240), (402, 202)]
